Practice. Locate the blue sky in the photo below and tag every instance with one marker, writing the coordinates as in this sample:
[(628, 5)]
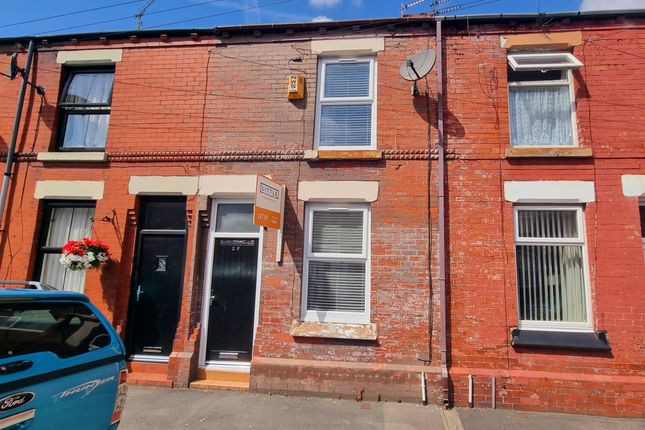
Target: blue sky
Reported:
[(119, 15)]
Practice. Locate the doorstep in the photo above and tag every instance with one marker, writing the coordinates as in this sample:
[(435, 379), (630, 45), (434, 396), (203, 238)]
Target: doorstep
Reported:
[(221, 380), (149, 379), (148, 374)]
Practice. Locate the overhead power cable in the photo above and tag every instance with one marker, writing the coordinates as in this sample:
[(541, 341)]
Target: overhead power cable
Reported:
[(70, 13), (221, 14), (467, 5), (123, 18)]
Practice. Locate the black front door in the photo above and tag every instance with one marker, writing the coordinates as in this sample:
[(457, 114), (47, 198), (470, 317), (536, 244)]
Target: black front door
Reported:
[(232, 299), (159, 264)]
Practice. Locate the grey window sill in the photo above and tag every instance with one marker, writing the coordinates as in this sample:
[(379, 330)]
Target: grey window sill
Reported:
[(585, 341)]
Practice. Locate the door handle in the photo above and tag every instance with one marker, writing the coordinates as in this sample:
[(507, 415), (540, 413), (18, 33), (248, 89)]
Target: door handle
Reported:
[(139, 292), (15, 366), (214, 299)]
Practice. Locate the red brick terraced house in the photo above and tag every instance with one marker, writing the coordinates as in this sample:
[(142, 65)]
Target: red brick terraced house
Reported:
[(474, 237)]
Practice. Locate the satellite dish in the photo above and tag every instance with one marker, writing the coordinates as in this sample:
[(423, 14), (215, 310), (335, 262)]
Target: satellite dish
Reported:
[(418, 65)]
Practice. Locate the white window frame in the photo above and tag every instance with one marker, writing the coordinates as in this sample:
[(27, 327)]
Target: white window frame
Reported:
[(566, 80), (579, 240), (208, 275), (336, 316), (566, 61), (321, 100)]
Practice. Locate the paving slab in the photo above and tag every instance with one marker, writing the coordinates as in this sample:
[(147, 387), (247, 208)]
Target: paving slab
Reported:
[(502, 419), (159, 408)]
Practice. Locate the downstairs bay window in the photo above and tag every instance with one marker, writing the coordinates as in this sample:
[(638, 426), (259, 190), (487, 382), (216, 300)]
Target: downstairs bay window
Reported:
[(553, 291), (336, 264)]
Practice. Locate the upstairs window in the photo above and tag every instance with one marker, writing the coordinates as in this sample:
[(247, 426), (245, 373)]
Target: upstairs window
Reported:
[(551, 268), (336, 276), (541, 100), (346, 110), (85, 109)]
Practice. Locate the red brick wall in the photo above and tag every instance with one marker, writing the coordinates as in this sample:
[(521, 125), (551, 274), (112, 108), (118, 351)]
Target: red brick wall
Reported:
[(483, 294)]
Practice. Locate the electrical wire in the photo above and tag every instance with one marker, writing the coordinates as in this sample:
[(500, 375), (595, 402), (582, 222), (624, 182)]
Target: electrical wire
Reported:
[(49, 32), (70, 13), (221, 14)]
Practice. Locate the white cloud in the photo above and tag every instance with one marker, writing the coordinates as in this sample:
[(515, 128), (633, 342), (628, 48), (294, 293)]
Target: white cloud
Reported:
[(321, 18), (285, 16), (323, 3), (614, 4)]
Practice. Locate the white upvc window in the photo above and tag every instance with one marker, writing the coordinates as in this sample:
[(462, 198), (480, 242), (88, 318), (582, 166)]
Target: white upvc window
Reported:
[(541, 100), (552, 271), (346, 104), (544, 61), (336, 275)]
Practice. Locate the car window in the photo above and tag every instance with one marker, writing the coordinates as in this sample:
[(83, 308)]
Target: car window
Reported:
[(66, 329)]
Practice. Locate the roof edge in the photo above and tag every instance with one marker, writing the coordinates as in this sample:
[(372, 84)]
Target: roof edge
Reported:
[(309, 26)]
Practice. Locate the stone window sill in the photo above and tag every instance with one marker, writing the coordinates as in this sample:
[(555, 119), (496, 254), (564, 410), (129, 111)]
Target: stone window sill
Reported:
[(333, 330), (328, 154), (84, 157), (548, 152), (586, 341)]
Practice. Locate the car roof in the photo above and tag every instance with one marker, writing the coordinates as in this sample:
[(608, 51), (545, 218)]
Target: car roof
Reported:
[(28, 294)]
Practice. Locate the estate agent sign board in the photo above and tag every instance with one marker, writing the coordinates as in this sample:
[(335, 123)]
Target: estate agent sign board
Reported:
[(268, 208)]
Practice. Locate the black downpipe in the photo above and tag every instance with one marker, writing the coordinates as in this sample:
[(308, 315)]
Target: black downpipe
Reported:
[(6, 179)]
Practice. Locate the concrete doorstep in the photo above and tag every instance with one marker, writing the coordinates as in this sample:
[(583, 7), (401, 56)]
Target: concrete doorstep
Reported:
[(160, 408)]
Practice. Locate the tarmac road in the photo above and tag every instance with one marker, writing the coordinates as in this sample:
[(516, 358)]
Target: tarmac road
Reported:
[(159, 408)]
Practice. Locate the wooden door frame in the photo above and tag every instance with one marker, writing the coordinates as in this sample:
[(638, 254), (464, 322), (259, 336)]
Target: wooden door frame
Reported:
[(208, 275)]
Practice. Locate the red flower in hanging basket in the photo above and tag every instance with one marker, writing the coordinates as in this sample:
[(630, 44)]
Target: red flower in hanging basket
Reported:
[(84, 254)]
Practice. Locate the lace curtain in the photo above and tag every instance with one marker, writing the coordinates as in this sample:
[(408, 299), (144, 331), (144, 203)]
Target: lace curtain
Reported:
[(540, 116)]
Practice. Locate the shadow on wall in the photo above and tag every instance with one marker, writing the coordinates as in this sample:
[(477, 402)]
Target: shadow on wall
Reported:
[(427, 108), (582, 91), (115, 281), (293, 236)]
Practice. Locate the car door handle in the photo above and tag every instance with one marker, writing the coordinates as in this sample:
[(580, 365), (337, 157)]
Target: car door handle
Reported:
[(15, 366)]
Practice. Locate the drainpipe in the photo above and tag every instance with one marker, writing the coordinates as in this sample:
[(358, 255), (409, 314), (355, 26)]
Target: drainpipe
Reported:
[(14, 134), (441, 180)]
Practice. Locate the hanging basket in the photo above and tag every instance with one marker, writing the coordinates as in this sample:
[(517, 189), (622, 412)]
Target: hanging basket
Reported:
[(84, 254)]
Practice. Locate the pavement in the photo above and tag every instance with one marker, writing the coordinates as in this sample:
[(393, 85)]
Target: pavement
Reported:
[(159, 408)]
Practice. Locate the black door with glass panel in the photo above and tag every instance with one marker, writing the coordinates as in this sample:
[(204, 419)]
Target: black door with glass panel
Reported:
[(233, 284), (158, 277)]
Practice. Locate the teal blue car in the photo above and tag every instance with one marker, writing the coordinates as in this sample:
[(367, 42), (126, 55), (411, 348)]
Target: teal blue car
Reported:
[(62, 365)]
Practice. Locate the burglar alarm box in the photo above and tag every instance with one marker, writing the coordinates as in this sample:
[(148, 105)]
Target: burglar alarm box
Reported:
[(296, 87)]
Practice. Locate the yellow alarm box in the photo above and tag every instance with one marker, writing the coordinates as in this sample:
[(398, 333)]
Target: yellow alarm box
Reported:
[(296, 88)]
